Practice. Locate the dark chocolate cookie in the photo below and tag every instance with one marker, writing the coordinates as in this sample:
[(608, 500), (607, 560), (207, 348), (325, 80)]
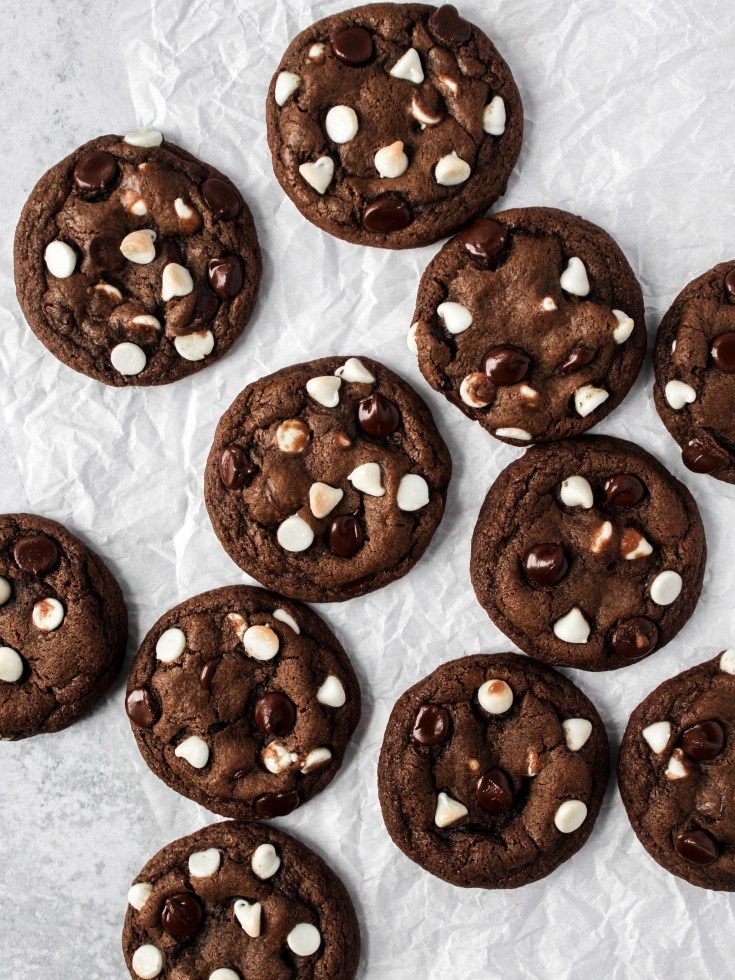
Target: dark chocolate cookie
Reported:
[(327, 480), (393, 124), (598, 557), (492, 771), (243, 701), (135, 263), (237, 901), (531, 322), (676, 771), (694, 361), (63, 626)]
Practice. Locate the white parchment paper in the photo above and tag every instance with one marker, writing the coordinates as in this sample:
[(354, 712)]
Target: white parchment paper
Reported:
[(629, 122)]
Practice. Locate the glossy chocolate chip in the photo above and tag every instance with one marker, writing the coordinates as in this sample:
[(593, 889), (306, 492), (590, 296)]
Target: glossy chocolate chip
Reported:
[(447, 25), (546, 564), (234, 468), (378, 416), (274, 714), (723, 352), (142, 707), (181, 914), (225, 276), (221, 198), (697, 847), (703, 741), (506, 365), (345, 536), (623, 490), (484, 239), (35, 554), (432, 724), (700, 458), (385, 215), (730, 285), (494, 791), (633, 638), (353, 46), (206, 675), (578, 357), (276, 804), (95, 171), (105, 255)]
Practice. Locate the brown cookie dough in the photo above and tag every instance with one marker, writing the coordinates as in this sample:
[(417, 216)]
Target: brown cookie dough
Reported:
[(135, 263), (234, 902), (243, 701), (598, 557), (694, 361), (327, 480), (531, 322), (393, 124), (492, 771), (63, 627), (675, 772)]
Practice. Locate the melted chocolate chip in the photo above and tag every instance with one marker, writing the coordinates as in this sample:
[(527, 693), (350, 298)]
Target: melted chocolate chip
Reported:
[(484, 238), (345, 536), (225, 276), (221, 198), (181, 914), (105, 255), (730, 285), (142, 707), (723, 352), (353, 46), (95, 171), (207, 673), (494, 791), (36, 554), (703, 741), (578, 357), (234, 469), (699, 458), (546, 564), (506, 365), (446, 23), (623, 490), (385, 215), (697, 846), (274, 714), (378, 416), (432, 724), (276, 804), (633, 638)]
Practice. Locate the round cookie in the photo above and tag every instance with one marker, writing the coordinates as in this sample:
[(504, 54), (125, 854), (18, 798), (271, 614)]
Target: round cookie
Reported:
[(675, 771), (492, 771), (532, 323), (234, 901), (63, 627), (243, 701), (327, 480), (393, 124), (135, 263), (694, 360), (598, 559)]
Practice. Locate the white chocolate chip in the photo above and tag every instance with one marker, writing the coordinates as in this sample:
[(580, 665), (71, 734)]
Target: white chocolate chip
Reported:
[(60, 259), (601, 538), (147, 962), (11, 665), (657, 735), (468, 389), (146, 320), (495, 696), (138, 246), (391, 161), (139, 894), (127, 358), (448, 83), (317, 52), (588, 398), (512, 432), (5, 590), (323, 498), (455, 317), (138, 207), (294, 534), (367, 479), (204, 864), (325, 390), (355, 371), (548, 304), (315, 759), (265, 862), (224, 973), (292, 436), (573, 627), (666, 587), (423, 115), (189, 219), (570, 816), (408, 67), (175, 281), (304, 939), (170, 645), (727, 661), (411, 339), (110, 292), (144, 137), (276, 758), (286, 84), (318, 174), (261, 642), (285, 617), (574, 278), (341, 124), (576, 732), (576, 492), (533, 763), (248, 914), (448, 811), (331, 692), (679, 393), (195, 346), (624, 328), (413, 493), (47, 615), (237, 622), (451, 170), (193, 750), (529, 395), (493, 117), (676, 768), (633, 545)]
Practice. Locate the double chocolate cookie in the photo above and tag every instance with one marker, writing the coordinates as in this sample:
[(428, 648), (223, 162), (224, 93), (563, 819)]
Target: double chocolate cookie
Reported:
[(327, 480), (695, 372), (243, 701), (676, 772), (492, 771), (135, 263), (63, 627), (598, 557), (393, 124), (531, 322), (234, 902)]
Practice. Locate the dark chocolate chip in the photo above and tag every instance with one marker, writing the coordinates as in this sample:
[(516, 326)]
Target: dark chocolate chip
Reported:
[(484, 238), (446, 23), (702, 459), (730, 285), (506, 365), (234, 469), (276, 804), (142, 707), (703, 741), (274, 714), (623, 490), (225, 276), (221, 198), (432, 724), (578, 357), (345, 536), (207, 673), (385, 215), (95, 171), (105, 255), (36, 554), (546, 564), (494, 791), (723, 352), (697, 847), (378, 415), (353, 46), (633, 638), (181, 914)]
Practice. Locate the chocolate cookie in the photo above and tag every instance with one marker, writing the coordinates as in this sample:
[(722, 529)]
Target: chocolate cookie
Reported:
[(531, 322), (599, 556), (135, 263), (492, 771), (235, 901), (243, 701), (393, 124), (63, 627), (676, 769), (327, 480), (695, 372)]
